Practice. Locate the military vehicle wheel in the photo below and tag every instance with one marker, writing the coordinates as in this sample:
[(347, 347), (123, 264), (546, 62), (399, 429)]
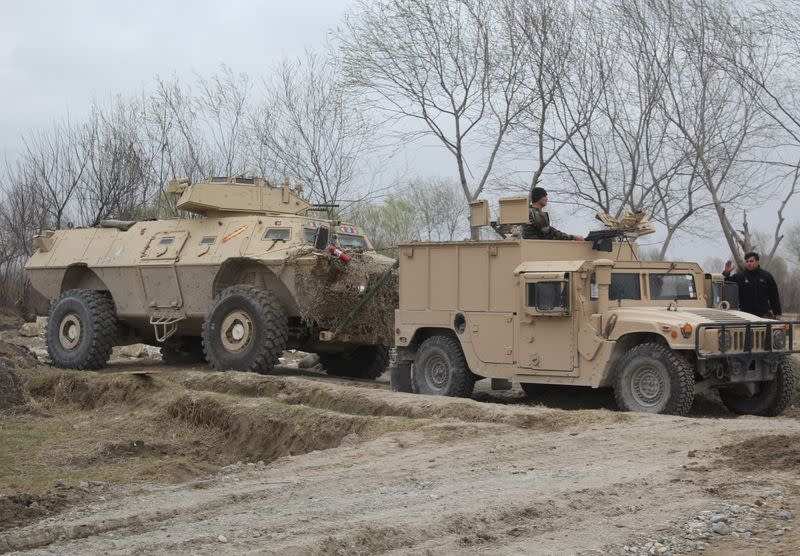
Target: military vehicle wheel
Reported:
[(365, 362), (651, 378), (81, 330), (440, 369), (187, 350), (246, 329), (767, 399)]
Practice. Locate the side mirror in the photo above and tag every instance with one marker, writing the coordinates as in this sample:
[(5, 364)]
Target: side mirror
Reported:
[(321, 239)]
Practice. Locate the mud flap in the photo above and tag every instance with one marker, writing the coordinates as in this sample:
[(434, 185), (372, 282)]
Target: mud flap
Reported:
[(400, 377)]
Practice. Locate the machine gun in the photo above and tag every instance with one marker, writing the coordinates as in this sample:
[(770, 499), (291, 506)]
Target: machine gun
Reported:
[(631, 226)]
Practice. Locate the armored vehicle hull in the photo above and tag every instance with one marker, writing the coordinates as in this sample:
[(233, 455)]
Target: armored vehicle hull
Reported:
[(237, 286)]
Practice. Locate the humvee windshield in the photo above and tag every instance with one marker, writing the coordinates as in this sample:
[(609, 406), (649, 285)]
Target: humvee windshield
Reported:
[(672, 286)]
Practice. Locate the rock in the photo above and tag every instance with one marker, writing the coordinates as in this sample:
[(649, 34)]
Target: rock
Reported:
[(41, 324), (718, 518), (135, 351), (721, 528), (310, 360), (701, 545), (776, 493), (29, 330), (222, 538), (784, 514)]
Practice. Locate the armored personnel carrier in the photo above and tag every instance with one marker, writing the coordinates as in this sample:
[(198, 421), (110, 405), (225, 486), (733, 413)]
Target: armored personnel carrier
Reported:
[(251, 272), (582, 313)]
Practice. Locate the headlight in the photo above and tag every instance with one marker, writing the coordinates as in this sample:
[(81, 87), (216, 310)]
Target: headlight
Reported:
[(778, 339), (686, 330), (725, 340)]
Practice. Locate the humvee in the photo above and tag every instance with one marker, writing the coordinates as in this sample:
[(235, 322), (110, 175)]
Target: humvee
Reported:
[(564, 313), (250, 272)]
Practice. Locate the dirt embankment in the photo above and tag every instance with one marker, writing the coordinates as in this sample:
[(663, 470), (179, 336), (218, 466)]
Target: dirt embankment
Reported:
[(146, 458)]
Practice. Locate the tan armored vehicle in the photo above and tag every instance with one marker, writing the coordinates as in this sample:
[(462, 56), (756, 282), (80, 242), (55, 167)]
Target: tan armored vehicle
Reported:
[(561, 312), (252, 273)]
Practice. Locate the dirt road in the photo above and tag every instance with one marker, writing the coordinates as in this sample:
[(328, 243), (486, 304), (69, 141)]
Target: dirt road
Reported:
[(147, 463)]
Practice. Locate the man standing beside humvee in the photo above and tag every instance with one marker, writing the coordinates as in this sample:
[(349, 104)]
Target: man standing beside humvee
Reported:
[(539, 226), (758, 292)]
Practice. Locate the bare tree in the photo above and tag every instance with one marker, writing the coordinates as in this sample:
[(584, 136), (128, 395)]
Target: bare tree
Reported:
[(308, 128), (184, 145), (564, 70), (629, 156), (54, 162), (452, 69), (440, 210), (223, 104), (23, 213), (112, 185), (718, 119)]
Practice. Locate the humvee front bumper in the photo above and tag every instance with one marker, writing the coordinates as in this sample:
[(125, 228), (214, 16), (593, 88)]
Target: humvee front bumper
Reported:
[(720, 340)]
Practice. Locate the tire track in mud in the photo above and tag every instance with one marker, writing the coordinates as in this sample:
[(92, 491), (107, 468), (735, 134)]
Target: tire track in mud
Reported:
[(438, 492), (354, 400)]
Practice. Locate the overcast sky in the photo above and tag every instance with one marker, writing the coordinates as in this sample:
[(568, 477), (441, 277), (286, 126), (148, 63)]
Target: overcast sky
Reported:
[(56, 56)]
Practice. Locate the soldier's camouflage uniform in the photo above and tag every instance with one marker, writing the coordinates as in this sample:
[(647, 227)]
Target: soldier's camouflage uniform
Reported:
[(540, 228)]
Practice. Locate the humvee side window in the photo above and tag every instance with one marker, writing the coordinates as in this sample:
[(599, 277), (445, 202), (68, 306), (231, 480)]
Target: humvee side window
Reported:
[(208, 240), (548, 297), (166, 241), (309, 234), (672, 286), (278, 234), (624, 286)]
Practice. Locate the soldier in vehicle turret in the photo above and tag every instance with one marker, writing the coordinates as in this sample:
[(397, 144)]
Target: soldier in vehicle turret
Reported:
[(539, 227)]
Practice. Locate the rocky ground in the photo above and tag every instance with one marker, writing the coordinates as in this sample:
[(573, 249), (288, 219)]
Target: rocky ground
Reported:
[(145, 458)]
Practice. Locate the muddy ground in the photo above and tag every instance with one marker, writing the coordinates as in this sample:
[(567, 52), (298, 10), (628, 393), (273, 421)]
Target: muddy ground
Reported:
[(144, 458)]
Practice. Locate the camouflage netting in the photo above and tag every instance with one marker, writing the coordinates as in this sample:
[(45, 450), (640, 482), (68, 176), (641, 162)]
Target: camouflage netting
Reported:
[(330, 289)]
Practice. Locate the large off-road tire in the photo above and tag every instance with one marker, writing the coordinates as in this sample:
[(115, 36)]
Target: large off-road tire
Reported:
[(651, 378), (187, 350), (365, 362), (81, 330), (246, 329), (769, 399), (440, 369)]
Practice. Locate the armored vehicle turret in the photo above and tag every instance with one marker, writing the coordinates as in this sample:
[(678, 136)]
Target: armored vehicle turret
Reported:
[(256, 271)]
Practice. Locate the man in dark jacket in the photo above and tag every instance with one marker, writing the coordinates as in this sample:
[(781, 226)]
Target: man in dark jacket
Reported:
[(758, 292)]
